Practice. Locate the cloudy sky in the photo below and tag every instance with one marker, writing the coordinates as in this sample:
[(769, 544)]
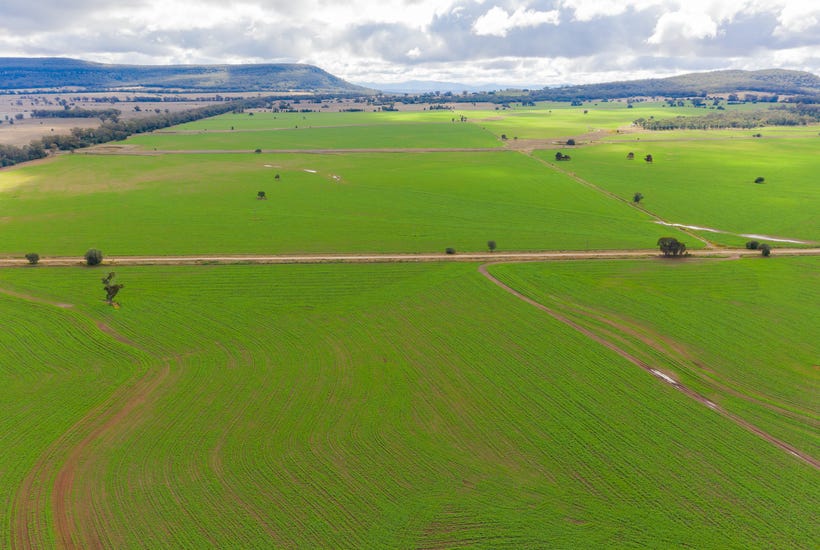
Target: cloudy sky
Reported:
[(524, 42)]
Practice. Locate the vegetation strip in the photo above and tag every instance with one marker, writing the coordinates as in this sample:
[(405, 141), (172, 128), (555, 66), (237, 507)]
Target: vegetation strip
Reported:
[(654, 372)]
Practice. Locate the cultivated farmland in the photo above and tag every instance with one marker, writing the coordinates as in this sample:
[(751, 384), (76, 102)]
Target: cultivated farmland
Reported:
[(376, 202), (356, 405), (651, 403), (712, 184)]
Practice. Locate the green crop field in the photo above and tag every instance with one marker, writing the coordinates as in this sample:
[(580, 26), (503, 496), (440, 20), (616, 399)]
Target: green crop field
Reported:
[(196, 204), (377, 136), (762, 364), (552, 120), (712, 183), (240, 122), (412, 405), (364, 406)]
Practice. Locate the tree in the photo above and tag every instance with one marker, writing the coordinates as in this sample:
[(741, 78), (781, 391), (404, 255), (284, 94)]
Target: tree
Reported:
[(570, 141), (33, 258), (449, 250), (760, 179), (93, 256), (648, 158), (765, 249), (277, 177), (637, 197), (261, 196), (561, 156), (111, 290), (670, 246), (491, 245), (752, 245), (257, 150), (630, 156)]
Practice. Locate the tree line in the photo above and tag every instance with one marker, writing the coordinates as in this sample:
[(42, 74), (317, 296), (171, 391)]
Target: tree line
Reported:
[(798, 115), (116, 130)]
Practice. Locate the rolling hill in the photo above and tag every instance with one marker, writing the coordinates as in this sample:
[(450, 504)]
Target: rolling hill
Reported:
[(57, 73)]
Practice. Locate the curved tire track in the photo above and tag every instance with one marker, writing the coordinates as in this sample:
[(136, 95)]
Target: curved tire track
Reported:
[(808, 459)]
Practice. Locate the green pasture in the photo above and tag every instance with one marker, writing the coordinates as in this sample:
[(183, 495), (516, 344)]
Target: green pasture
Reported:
[(743, 332), (206, 204), (706, 136), (444, 135), (401, 405), (711, 183), (565, 121), (55, 367), (265, 120)]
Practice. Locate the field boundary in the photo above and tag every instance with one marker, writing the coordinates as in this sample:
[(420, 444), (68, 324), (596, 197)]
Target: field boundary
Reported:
[(215, 259), (655, 372)]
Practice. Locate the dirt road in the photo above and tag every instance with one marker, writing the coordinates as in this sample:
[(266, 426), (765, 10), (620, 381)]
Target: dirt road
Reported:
[(211, 259)]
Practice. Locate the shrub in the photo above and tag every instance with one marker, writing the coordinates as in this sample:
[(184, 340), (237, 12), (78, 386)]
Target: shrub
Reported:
[(257, 150), (450, 250), (765, 249), (760, 179), (570, 141), (93, 256), (637, 197), (752, 245), (491, 245), (33, 258)]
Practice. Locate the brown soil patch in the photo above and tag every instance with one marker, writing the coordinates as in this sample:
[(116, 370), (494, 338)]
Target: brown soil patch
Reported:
[(35, 299)]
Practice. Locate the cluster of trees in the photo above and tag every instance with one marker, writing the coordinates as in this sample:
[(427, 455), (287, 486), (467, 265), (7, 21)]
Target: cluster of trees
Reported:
[(115, 130), (102, 114), (764, 248), (561, 156), (798, 115), (670, 246)]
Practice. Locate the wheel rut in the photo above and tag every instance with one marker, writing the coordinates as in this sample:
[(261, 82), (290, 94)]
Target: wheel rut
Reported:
[(657, 373)]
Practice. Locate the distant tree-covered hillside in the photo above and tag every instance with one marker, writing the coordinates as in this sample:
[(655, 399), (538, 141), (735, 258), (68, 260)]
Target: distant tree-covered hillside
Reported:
[(56, 73), (772, 81)]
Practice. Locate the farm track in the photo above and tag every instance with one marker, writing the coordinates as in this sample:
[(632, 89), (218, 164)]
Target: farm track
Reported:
[(657, 373), (208, 259), (609, 194), (57, 467)]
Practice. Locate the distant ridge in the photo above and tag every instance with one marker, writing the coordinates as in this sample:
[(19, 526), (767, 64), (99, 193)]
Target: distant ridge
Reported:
[(55, 73), (773, 81)]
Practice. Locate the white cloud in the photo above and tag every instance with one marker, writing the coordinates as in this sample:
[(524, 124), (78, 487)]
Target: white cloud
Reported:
[(413, 53), (797, 17), (676, 27), (497, 22), (587, 10)]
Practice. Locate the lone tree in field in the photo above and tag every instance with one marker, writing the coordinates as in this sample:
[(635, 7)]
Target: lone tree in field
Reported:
[(449, 250), (648, 158), (93, 256), (491, 245), (570, 141), (33, 258), (765, 249), (261, 196), (630, 156), (111, 290), (277, 177), (670, 246), (760, 179), (637, 197)]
